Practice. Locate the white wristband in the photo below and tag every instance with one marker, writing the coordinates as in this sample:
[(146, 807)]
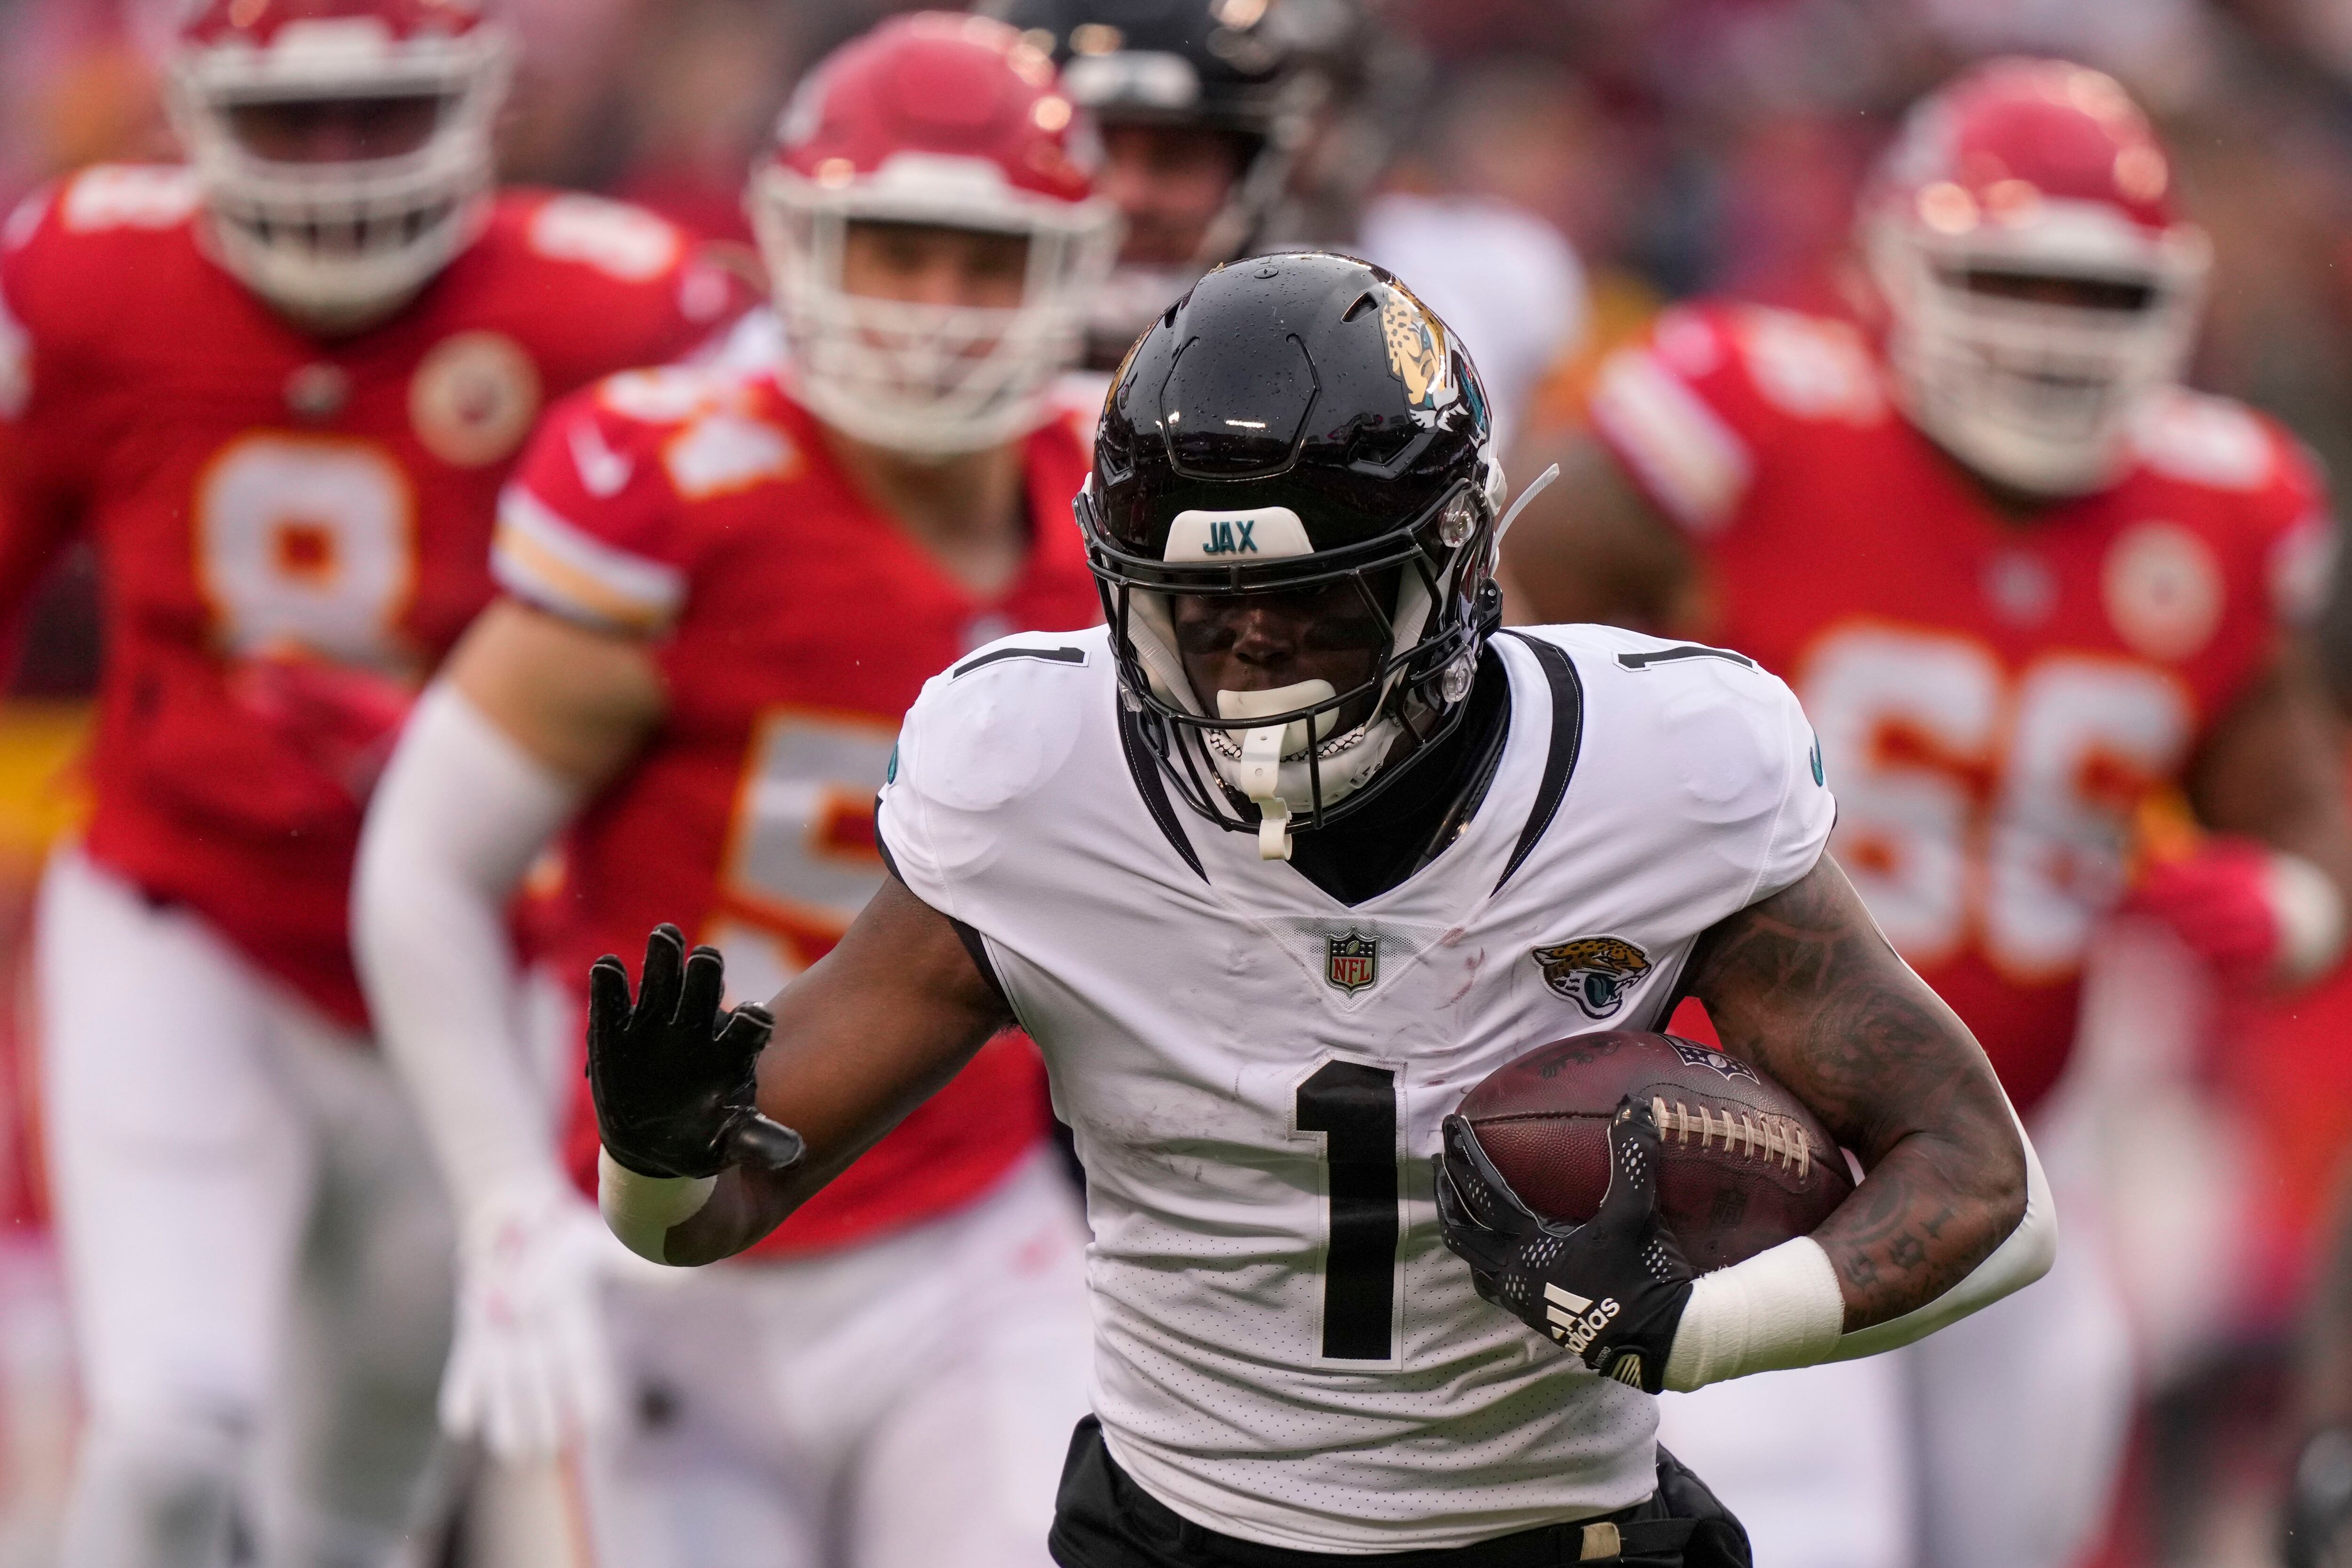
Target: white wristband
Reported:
[(1781, 1308), (641, 1210)]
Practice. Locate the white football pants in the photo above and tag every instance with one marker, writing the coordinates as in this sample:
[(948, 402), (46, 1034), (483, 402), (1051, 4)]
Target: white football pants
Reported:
[(905, 1403), (1997, 1441), (256, 1249)]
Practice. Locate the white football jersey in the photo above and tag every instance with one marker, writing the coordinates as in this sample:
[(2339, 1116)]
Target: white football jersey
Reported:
[(1285, 1350)]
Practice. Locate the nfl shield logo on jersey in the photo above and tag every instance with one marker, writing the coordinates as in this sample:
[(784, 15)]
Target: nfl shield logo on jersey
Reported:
[(1352, 962)]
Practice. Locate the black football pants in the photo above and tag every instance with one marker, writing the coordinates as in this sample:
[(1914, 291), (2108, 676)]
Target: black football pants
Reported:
[(1103, 1519)]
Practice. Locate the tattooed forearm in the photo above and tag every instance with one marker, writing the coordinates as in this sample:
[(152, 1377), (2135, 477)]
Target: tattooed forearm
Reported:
[(1803, 985)]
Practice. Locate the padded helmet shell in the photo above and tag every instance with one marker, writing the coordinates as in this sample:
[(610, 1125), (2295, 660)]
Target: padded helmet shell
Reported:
[(932, 118), (1307, 380), (2036, 168)]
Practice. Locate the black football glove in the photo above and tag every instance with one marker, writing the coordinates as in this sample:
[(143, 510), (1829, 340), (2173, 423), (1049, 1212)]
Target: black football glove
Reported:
[(2319, 1505), (672, 1076), (1610, 1290)]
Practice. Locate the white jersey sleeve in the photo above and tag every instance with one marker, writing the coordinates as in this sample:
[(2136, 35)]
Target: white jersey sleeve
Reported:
[(1282, 1354), (965, 755), (1739, 749)]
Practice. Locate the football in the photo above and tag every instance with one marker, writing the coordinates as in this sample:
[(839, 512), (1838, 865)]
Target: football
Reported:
[(1744, 1164)]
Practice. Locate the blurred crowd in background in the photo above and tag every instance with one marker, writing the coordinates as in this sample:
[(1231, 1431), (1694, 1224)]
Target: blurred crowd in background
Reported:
[(1681, 146)]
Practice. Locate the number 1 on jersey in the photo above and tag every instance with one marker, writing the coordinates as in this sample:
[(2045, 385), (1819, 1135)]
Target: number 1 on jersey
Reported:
[(1354, 1106)]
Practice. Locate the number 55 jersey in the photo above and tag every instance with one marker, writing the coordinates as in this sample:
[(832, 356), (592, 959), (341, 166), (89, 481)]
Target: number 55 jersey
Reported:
[(1997, 697), (292, 531), (1283, 1349)]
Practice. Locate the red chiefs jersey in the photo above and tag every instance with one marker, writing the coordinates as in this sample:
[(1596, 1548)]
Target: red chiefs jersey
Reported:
[(794, 625), (1995, 699), (291, 530)]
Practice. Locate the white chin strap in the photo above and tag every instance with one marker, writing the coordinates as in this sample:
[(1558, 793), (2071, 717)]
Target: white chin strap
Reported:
[(1272, 767)]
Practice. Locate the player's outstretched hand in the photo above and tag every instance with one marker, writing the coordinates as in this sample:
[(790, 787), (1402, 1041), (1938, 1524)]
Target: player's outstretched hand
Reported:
[(1610, 1290), (532, 1370), (673, 1074)]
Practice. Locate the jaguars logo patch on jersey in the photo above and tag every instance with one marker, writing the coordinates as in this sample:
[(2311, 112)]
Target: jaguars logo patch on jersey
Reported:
[(1593, 972)]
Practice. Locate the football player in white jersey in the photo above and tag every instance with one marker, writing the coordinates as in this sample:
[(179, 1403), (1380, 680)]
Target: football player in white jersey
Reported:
[(1263, 867)]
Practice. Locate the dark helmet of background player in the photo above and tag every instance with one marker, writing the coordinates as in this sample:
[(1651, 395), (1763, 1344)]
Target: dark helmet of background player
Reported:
[(1306, 90), (1295, 422)]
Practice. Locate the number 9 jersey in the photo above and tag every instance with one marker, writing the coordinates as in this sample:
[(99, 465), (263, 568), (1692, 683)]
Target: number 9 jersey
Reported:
[(1998, 699), (291, 530)]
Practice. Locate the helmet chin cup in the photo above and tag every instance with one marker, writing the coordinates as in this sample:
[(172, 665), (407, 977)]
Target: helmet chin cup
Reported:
[(1257, 772), (1277, 741), (1290, 766)]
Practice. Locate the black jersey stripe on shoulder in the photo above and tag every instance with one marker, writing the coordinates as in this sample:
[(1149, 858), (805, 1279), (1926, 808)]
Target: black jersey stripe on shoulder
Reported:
[(1143, 766), (889, 861), (1046, 655), (1690, 651), (1567, 743)]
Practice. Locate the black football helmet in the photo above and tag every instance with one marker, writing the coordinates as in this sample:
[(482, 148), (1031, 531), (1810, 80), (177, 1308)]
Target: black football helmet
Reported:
[(1295, 421), (1254, 69)]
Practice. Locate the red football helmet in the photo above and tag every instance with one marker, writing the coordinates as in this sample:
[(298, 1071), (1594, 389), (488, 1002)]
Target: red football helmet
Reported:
[(933, 119), (337, 232), (2040, 285)]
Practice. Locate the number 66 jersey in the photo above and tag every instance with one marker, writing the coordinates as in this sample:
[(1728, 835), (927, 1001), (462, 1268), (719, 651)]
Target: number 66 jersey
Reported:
[(1995, 698), (1285, 1349), (291, 530)]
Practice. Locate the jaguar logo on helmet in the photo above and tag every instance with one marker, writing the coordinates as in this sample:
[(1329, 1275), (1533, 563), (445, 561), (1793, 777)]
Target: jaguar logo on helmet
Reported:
[(1417, 353), (1593, 972)]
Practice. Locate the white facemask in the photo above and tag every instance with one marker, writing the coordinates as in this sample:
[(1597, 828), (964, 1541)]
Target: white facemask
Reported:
[(2040, 398)]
